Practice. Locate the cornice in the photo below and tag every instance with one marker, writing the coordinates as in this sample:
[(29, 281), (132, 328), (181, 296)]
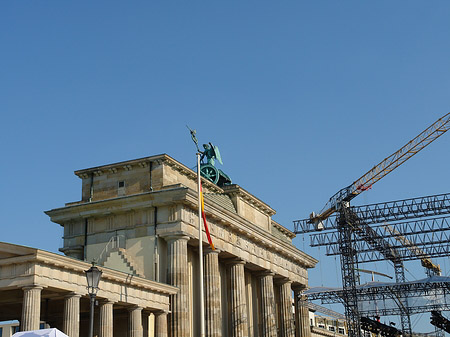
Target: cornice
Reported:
[(78, 266), (108, 206), (253, 232), (251, 199), (115, 167), (179, 167), (144, 162), (189, 197), (283, 229)]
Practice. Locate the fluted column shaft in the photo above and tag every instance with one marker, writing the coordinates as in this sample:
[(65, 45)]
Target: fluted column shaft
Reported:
[(301, 315), (213, 310), (287, 318), (161, 324), (239, 319), (106, 319), (135, 322), (269, 325), (305, 329), (178, 277), (31, 309), (71, 319)]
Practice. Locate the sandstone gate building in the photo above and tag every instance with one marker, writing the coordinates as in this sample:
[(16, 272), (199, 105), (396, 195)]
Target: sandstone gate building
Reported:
[(139, 217)]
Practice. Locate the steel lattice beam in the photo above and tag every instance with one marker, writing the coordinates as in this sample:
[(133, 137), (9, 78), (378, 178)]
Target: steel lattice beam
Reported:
[(412, 310), (399, 210), (417, 232), (406, 290), (367, 254)]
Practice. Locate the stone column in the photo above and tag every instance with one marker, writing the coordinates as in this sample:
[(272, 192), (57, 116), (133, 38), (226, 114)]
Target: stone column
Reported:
[(302, 324), (71, 318), (213, 310), (239, 319), (287, 317), (305, 326), (269, 326), (31, 309), (135, 322), (161, 324), (178, 277), (106, 319)]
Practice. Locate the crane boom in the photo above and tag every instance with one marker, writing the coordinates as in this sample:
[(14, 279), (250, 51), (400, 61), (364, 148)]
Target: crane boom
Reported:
[(424, 259), (384, 167)]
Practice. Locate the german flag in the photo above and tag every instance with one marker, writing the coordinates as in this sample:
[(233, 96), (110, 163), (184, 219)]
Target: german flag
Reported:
[(204, 219)]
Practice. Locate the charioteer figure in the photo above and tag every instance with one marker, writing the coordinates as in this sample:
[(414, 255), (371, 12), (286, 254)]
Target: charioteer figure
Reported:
[(208, 169)]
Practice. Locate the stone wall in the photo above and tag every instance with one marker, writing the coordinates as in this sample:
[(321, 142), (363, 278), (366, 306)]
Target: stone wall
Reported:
[(254, 264)]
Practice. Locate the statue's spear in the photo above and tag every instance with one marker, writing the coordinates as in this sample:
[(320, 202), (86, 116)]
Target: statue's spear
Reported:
[(194, 138)]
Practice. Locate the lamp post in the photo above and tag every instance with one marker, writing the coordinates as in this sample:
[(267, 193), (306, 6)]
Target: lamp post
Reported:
[(93, 278)]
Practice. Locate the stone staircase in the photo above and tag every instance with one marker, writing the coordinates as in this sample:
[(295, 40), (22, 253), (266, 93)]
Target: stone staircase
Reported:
[(129, 262), (116, 246)]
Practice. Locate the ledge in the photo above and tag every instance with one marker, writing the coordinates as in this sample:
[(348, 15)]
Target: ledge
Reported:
[(251, 199), (33, 255)]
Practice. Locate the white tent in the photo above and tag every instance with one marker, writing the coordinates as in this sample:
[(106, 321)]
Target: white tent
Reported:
[(44, 332)]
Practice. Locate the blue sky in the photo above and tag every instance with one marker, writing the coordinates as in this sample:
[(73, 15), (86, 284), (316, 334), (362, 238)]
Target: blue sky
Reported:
[(301, 97)]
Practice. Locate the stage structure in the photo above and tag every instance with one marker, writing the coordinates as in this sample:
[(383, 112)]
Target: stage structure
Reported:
[(356, 241)]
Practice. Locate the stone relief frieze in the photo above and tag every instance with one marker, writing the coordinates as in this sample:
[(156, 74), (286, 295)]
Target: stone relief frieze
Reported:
[(221, 231), (173, 214), (188, 215)]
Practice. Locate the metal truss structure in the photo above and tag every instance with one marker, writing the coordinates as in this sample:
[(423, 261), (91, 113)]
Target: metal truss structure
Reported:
[(412, 310), (358, 242), (431, 235), (399, 210), (326, 311), (352, 224), (434, 287)]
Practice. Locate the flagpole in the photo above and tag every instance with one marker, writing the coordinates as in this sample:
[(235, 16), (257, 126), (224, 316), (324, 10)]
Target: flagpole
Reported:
[(200, 250)]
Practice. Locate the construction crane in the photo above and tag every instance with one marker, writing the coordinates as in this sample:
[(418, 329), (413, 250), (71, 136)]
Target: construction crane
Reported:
[(431, 232), (379, 171), (348, 222)]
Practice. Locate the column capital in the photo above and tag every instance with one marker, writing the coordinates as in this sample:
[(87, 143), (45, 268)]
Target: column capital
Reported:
[(265, 273), (235, 261), (105, 301), (33, 286), (161, 312), (175, 236), (208, 250), (72, 294), (283, 280), (135, 308), (297, 287)]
